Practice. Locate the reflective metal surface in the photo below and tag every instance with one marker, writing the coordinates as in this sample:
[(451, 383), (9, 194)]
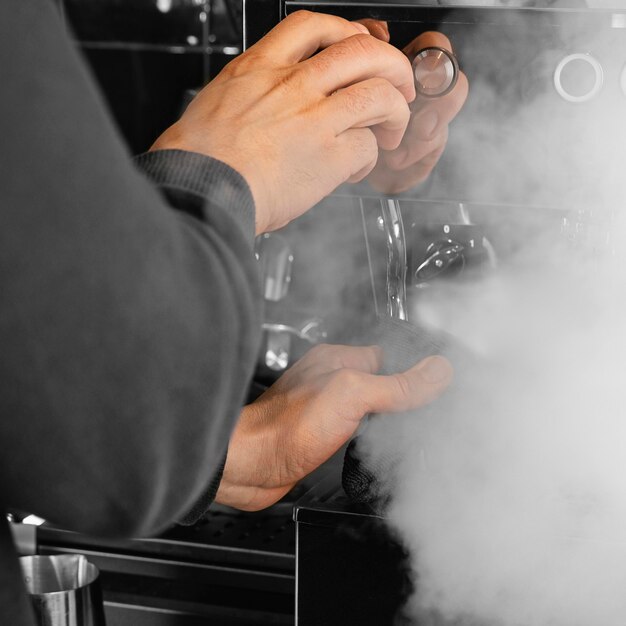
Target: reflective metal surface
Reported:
[(396, 258), (442, 256), (311, 330), (64, 590), (275, 260), (436, 71)]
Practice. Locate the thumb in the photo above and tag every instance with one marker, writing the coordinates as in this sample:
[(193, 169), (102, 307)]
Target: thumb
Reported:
[(414, 388)]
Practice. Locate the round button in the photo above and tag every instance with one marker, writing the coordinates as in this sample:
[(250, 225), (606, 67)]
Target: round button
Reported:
[(436, 71), (578, 77)]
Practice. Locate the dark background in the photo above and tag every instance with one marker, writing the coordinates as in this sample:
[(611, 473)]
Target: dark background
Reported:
[(148, 55)]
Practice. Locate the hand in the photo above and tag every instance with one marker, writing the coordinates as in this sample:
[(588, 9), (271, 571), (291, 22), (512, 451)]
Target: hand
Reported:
[(310, 412), (412, 162), (296, 124)]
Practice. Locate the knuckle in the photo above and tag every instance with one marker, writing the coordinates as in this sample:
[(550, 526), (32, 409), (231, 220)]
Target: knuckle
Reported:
[(292, 80), (363, 98), (403, 390), (333, 355), (347, 380), (325, 61), (362, 44), (387, 93), (366, 143), (319, 352), (300, 17), (231, 68), (245, 63)]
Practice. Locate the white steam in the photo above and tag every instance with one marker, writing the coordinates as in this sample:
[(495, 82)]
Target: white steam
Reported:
[(515, 506), (511, 492)]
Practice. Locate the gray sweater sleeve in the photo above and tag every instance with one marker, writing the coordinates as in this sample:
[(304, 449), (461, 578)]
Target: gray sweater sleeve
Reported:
[(128, 330)]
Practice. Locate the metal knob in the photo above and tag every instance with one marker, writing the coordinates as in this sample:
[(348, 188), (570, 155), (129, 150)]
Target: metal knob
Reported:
[(442, 257), (436, 71), (578, 77)]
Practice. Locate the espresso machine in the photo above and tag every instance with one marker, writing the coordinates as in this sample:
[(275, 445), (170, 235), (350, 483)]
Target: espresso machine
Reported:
[(509, 176), (531, 166)]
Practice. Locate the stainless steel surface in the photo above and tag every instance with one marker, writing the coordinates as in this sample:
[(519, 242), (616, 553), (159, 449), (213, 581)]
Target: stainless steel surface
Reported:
[(311, 330), (64, 590), (442, 255), (276, 259), (396, 258), (436, 71), (24, 538), (279, 335), (277, 347)]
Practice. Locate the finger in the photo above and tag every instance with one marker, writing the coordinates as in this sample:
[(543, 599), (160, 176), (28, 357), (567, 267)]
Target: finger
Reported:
[(372, 103), (389, 181), (366, 359), (355, 151), (428, 39), (431, 115), (376, 28), (303, 33), (362, 173), (409, 390), (356, 59), (413, 151)]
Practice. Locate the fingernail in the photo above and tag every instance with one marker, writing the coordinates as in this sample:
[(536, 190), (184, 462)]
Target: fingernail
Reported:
[(427, 125), (362, 28), (383, 31), (435, 369)]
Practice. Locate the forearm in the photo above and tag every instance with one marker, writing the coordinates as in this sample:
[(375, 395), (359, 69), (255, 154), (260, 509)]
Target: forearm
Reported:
[(128, 329)]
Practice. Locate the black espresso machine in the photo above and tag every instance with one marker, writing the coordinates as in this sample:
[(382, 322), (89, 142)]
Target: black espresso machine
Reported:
[(532, 165), (359, 253)]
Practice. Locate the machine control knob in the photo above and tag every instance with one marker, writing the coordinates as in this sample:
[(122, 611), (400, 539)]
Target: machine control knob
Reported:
[(578, 77), (443, 256), (436, 71)]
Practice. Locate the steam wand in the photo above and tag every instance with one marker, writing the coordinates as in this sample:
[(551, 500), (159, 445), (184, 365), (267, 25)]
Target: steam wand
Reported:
[(396, 258)]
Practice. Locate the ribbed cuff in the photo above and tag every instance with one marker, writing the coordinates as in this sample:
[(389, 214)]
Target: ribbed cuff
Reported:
[(204, 176), (204, 502)]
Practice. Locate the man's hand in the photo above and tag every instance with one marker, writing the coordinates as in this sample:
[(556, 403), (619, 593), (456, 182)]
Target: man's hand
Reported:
[(310, 412), (296, 124), (413, 160)]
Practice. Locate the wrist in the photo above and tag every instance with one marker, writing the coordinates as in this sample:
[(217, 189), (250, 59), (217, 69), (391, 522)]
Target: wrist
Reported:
[(174, 138), (248, 480)]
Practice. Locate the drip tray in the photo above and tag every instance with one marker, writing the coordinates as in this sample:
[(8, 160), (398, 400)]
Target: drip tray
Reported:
[(230, 568)]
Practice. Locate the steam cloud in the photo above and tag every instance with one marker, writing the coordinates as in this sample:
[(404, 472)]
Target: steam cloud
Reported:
[(513, 500), (511, 492)]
